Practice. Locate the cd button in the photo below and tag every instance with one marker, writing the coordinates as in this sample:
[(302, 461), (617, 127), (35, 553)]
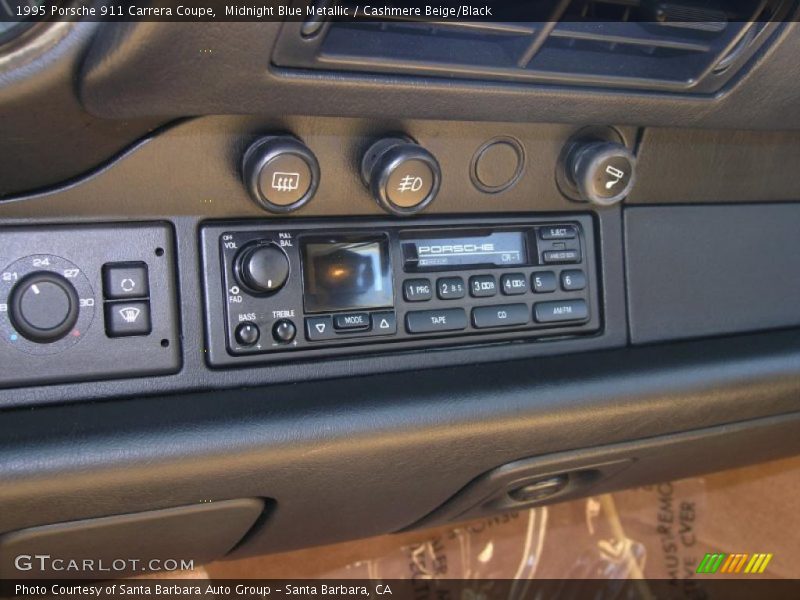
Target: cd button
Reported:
[(450, 288), (351, 321), (504, 315), (482, 286), (513, 284), (417, 290), (428, 321), (543, 282), (319, 328)]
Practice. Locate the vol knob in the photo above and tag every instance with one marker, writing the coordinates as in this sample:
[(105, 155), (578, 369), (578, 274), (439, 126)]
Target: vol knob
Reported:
[(262, 268), (43, 307), (602, 172), (402, 176)]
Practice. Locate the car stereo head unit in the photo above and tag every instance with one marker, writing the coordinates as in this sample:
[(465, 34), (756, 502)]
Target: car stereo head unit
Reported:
[(286, 291)]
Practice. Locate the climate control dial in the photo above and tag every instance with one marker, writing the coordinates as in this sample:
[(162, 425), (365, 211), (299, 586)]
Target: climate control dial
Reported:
[(43, 307), (46, 304)]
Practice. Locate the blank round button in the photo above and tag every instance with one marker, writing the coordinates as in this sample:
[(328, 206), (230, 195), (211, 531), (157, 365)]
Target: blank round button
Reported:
[(497, 165)]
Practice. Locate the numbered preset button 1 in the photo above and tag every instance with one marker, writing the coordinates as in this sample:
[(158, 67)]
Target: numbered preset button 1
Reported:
[(417, 290)]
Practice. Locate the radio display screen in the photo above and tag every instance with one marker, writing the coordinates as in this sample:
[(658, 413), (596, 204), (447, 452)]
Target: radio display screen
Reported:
[(499, 248), (346, 273)]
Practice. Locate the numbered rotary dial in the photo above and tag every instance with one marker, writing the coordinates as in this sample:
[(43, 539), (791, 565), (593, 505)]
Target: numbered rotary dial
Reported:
[(46, 304)]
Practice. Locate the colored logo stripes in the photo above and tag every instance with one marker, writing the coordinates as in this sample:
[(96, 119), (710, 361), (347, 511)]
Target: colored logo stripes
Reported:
[(734, 563)]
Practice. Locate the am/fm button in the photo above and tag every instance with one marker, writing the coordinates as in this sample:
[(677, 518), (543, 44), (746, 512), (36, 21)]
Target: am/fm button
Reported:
[(564, 310)]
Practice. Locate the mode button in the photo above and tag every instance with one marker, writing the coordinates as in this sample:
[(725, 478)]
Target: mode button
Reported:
[(352, 321)]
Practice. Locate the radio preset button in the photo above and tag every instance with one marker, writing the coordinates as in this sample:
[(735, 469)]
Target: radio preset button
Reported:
[(557, 232), (247, 334), (513, 284), (352, 321), (543, 282), (562, 256), (450, 288), (429, 321), (573, 280), (417, 290), (384, 323), (505, 315), (319, 328), (482, 286), (284, 331), (564, 310)]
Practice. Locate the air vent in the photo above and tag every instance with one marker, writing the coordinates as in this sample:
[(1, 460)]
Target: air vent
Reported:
[(668, 45)]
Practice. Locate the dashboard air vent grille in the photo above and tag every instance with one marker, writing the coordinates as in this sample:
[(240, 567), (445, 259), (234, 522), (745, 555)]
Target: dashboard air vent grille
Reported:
[(668, 45)]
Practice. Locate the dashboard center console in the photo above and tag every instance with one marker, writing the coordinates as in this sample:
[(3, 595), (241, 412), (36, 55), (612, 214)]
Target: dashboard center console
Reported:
[(280, 291)]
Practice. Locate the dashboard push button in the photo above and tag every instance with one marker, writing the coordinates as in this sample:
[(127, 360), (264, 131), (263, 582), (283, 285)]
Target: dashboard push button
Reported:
[(402, 176), (430, 321), (543, 282), (384, 323), (127, 318), (417, 290), (573, 280), (505, 315), (351, 321), (482, 286), (125, 280), (562, 256), (280, 173), (319, 328), (450, 288), (564, 310), (513, 284), (557, 232)]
